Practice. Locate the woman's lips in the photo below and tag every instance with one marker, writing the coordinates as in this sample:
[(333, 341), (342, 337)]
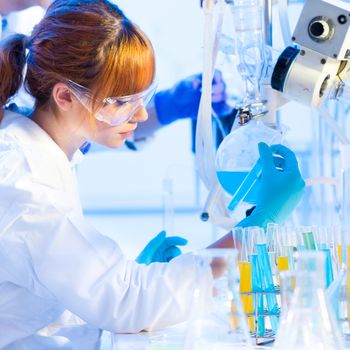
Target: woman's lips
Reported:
[(127, 134)]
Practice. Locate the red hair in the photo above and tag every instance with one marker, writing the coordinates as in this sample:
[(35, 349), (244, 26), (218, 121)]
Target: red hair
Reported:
[(89, 42)]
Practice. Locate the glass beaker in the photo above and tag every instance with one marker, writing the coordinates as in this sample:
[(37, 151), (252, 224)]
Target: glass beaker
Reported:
[(309, 322), (224, 325)]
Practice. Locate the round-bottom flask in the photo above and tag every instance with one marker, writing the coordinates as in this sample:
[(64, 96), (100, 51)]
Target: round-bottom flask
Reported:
[(238, 153)]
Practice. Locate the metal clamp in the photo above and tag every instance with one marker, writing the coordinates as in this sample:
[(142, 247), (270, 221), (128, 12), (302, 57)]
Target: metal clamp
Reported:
[(248, 112)]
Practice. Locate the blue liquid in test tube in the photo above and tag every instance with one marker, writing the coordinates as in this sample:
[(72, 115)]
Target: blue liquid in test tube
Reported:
[(329, 268), (258, 298), (267, 283)]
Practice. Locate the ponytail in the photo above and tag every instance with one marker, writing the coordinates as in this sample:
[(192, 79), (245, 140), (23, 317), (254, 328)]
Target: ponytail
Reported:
[(12, 62)]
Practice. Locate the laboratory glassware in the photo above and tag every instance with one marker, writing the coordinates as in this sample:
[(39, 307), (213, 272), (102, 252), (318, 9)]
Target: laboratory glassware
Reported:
[(287, 284), (309, 323), (338, 292), (223, 325), (168, 206), (268, 285), (249, 45), (237, 163), (241, 242)]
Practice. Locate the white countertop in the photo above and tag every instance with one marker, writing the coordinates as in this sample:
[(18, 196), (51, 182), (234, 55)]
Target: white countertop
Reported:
[(166, 339)]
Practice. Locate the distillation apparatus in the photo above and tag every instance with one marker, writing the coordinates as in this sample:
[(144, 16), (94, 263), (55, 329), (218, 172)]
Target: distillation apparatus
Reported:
[(312, 70), (250, 46)]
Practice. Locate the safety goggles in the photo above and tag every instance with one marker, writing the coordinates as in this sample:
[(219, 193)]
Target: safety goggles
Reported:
[(114, 110)]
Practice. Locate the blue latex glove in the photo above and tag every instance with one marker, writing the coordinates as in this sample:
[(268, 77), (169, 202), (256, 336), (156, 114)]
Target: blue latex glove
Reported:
[(182, 100), (280, 191), (161, 249)]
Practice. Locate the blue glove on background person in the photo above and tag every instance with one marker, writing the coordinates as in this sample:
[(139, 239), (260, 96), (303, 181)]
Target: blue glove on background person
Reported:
[(182, 100), (161, 249), (280, 190)]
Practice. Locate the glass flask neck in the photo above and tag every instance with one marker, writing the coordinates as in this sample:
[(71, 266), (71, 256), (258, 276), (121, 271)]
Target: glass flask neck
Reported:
[(310, 277)]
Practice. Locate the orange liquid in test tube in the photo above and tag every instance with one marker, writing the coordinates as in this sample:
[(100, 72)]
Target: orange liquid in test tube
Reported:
[(245, 286), (282, 263), (340, 255)]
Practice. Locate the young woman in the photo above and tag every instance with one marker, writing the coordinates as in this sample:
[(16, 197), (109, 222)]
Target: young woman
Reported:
[(91, 72)]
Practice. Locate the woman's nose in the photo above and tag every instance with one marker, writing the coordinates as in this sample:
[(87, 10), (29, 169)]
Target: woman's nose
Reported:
[(140, 116)]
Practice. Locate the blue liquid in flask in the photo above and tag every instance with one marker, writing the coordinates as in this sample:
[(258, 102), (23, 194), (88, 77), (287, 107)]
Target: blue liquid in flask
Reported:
[(232, 180)]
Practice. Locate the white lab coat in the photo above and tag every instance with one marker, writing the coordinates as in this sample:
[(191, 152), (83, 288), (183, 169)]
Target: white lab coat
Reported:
[(52, 259)]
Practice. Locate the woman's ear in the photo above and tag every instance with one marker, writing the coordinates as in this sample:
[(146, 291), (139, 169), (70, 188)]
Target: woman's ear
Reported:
[(62, 97)]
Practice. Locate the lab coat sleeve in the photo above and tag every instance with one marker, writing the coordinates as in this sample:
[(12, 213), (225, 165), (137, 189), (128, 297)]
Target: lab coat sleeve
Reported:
[(90, 276)]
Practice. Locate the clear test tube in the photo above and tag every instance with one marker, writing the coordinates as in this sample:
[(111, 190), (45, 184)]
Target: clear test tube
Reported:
[(246, 185), (344, 252), (282, 259), (271, 232), (345, 171), (168, 206), (337, 247), (271, 236), (287, 288), (299, 239)]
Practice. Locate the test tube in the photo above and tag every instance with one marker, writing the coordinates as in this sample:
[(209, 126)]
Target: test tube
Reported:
[(259, 299), (282, 258), (309, 240), (263, 261), (286, 243), (287, 288), (290, 255), (282, 263), (329, 269), (253, 176), (268, 285), (240, 238), (245, 286), (168, 206), (245, 186)]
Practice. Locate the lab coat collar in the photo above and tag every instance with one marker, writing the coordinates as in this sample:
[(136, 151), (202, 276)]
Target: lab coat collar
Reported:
[(48, 164), (33, 136)]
